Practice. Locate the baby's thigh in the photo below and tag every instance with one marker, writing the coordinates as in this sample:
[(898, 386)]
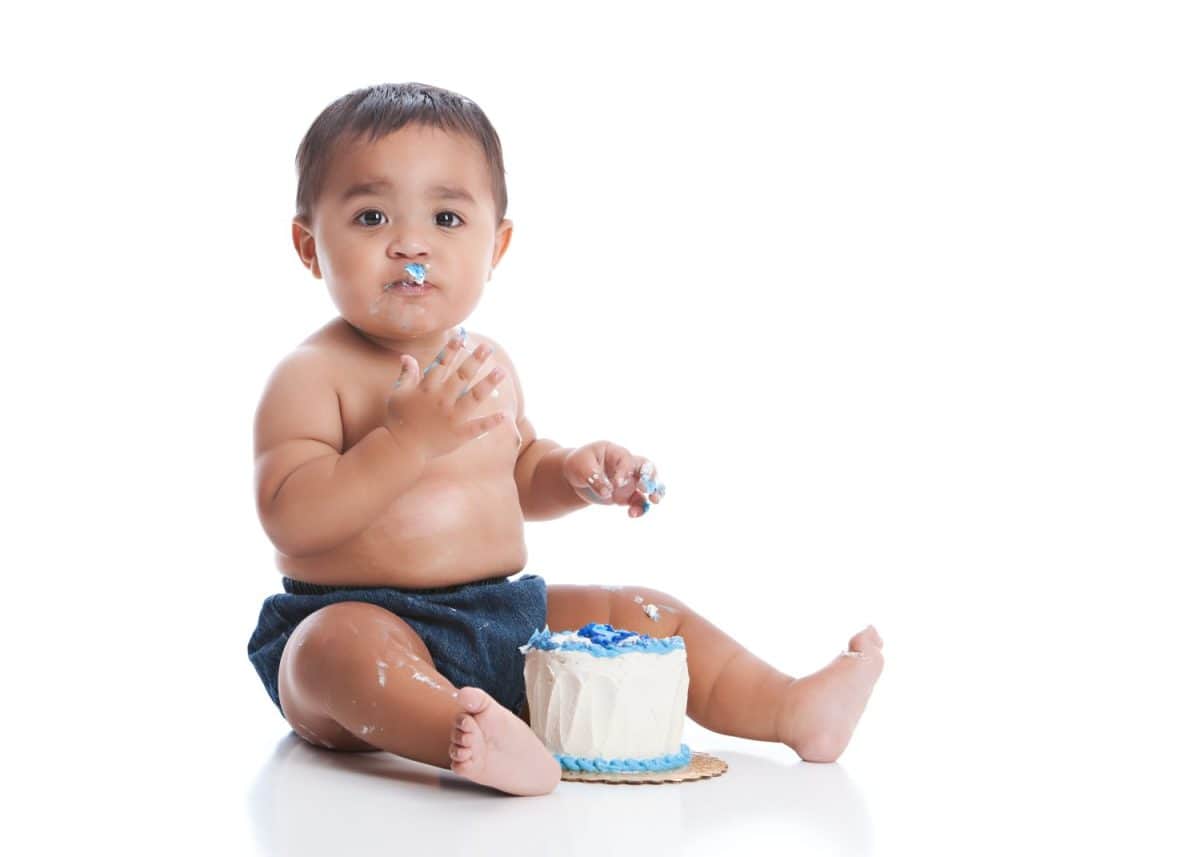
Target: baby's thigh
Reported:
[(330, 652), (632, 608)]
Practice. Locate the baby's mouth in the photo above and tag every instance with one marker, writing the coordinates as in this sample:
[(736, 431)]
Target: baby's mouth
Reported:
[(408, 286), (415, 281)]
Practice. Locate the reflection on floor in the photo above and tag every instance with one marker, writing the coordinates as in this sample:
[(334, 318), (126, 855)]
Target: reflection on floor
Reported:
[(310, 801)]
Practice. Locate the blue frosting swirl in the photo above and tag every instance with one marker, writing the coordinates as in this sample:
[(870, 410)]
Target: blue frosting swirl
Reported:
[(614, 766), (604, 641), (416, 270)]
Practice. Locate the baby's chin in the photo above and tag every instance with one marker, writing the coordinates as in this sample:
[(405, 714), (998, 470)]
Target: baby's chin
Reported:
[(390, 313), (386, 327)]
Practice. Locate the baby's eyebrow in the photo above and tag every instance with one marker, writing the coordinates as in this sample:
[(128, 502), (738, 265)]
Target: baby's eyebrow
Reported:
[(370, 187), (442, 191), (374, 187)]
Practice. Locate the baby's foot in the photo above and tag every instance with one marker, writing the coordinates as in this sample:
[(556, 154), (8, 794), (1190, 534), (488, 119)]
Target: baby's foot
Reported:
[(819, 712), (491, 745)]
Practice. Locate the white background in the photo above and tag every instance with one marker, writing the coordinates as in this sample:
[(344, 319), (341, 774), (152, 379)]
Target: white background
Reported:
[(901, 299)]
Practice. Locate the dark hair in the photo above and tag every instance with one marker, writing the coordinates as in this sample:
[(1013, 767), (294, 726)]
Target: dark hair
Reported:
[(376, 111)]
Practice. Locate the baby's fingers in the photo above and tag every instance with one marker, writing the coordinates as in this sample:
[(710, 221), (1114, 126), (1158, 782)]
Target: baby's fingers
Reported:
[(477, 428), (638, 505), (648, 482), (462, 374), (635, 474), (621, 467), (584, 471), (443, 366), (485, 386)]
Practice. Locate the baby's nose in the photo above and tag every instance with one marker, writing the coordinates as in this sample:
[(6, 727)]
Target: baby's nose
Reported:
[(409, 245)]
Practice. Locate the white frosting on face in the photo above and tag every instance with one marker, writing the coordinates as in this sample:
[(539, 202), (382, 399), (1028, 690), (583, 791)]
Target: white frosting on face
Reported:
[(626, 707)]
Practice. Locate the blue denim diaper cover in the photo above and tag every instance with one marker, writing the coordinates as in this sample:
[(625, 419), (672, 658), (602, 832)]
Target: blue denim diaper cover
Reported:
[(472, 630)]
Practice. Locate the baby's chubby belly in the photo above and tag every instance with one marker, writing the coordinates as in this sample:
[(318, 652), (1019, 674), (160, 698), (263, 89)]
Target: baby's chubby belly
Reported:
[(449, 528)]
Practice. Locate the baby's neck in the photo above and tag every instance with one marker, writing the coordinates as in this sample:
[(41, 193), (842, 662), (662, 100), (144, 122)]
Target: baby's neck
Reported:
[(424, 348)]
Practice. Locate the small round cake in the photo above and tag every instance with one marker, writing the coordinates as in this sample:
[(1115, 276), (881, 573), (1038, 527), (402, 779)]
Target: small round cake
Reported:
[(606, 700)]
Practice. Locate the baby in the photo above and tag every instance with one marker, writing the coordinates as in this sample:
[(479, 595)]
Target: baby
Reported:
[(396, 466)]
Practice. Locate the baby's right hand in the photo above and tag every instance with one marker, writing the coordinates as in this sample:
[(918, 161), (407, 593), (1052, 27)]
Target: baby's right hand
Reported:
[(430, 414)]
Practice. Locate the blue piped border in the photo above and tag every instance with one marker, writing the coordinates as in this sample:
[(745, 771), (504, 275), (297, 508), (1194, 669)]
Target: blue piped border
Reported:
[(626, 766)]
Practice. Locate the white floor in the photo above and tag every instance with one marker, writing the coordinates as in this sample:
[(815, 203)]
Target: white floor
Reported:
[(373, 803), (955, 771), (887, 796)]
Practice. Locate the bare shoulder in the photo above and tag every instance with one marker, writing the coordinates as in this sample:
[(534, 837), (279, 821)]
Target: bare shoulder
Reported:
[(503, 359), (502, 356), (528, 435), (318, 362), (300, 396), (298, 418)]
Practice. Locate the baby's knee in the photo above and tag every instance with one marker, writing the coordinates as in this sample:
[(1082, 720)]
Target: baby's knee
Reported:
[(349, 637), (644, 596), (649, 611)]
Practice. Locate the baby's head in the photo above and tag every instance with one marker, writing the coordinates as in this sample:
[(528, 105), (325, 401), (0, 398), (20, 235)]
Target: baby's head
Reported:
[(391, 177)]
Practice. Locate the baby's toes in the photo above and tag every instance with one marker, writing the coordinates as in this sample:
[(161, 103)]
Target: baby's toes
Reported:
[(466, 731), (465, 749), (866, 639), (459, 754)]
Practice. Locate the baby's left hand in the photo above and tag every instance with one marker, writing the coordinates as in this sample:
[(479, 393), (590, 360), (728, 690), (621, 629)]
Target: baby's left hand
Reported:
[(605, 473)]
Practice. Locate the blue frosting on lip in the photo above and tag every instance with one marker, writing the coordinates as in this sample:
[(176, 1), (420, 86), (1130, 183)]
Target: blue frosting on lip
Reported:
[(605, 641), (416, 270)]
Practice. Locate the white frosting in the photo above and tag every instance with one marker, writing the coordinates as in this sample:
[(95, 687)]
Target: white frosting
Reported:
[(557, 638), (626, 707)]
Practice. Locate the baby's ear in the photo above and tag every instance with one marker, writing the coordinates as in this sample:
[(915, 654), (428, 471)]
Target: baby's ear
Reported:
[(306, 247), (503, 236)]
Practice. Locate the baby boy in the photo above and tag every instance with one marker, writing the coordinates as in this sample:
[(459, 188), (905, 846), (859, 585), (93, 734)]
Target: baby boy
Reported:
[(396, 466)]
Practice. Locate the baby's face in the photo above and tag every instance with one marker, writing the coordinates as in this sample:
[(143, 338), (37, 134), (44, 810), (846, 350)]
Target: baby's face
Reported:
[(421, 195)]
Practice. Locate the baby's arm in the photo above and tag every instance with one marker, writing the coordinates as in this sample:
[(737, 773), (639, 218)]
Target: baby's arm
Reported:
[(541, 486), (544, 491), (311, 495), (552, 480)]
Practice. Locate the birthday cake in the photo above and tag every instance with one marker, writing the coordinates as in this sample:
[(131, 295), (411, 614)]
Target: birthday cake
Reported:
[(607, 700)]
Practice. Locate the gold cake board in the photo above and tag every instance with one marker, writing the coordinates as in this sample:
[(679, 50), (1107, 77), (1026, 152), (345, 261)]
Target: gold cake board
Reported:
[(701, 767)]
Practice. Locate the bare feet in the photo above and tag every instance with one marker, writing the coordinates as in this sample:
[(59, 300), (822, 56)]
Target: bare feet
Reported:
[(819, 712), (491, 746)]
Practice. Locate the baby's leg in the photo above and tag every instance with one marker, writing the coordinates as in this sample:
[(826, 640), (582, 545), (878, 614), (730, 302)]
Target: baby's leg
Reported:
[(356, 677), (730, 689)]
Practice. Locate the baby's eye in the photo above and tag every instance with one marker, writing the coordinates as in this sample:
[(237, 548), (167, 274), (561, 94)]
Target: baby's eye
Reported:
[(372, 213), (447, 214)]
